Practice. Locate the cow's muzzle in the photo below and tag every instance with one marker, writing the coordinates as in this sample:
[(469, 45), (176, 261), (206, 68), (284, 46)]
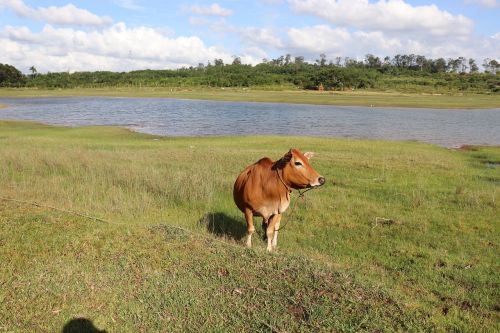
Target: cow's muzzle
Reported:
[(320, 181)]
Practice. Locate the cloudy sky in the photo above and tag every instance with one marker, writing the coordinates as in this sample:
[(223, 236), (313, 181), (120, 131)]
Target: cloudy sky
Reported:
[(121, 35)]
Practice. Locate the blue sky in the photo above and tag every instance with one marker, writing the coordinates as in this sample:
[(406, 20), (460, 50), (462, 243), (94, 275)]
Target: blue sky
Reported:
[(121, 35)]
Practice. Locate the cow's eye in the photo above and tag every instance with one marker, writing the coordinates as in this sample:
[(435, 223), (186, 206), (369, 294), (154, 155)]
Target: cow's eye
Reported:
[(298, 163)]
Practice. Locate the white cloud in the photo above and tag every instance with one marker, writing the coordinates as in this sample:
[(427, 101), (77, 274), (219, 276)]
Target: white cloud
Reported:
[(386, 15), (253, 55), (259, 36), (65, 15), (386, 27), (252, 36), (213, 10), (485, 3), (115, 48), (313, 40)]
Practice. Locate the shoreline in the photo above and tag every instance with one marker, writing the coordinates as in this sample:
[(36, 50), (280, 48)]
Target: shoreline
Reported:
[(333, 98), (128, 128)]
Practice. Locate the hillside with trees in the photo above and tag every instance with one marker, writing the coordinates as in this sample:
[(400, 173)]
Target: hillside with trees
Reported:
[(405, 73), (11, 76)]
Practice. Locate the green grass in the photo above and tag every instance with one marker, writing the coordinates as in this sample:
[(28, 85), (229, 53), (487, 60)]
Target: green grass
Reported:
[(171, 259), (361, 98)]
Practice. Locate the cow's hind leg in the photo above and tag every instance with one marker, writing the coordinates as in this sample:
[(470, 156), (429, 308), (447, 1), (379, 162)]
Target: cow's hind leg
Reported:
[(250, 227)]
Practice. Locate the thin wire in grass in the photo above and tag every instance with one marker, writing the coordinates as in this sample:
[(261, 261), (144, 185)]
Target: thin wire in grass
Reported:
[(95, 218), (71, 212)]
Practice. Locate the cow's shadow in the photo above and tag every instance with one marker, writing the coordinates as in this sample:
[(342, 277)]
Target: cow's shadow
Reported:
[(222, 225)]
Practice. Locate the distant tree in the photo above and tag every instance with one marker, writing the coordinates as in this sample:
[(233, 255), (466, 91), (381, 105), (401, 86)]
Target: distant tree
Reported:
[(397, 61), (453, 65), (10, 76), (463, 64), (338, 61), (237, 61), (486, 65), (372, 61), (387, 62), (288, 59), (421, 62), (346, 61), (299, 60), (33, 71), (218, 62), (322, 60), (412, 63), (403, 60), (278, 61), (440, 65), (472, 66), (352, 62), (494, 66)]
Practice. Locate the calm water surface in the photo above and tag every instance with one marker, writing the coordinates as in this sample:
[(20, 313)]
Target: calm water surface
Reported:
[(174, 117)]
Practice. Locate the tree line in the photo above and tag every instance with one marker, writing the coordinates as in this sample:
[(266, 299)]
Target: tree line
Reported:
[(412, 73)]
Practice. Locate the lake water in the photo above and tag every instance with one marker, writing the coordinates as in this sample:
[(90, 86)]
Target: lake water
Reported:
[(174, 117)]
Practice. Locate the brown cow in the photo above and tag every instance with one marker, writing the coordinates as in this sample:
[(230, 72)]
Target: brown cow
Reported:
[(263, 189)]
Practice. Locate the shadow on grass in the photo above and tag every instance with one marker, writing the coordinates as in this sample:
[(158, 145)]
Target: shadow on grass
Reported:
[(81, 325), (223, 225)]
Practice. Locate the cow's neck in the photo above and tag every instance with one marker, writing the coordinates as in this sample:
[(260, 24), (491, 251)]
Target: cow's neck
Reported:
[(284, 191), (282, 180)]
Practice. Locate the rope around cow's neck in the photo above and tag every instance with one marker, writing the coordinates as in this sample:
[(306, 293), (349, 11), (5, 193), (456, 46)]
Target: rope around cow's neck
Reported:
[(289, 189)]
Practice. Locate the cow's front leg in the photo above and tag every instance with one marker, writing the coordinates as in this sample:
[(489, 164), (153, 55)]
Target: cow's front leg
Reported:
[(270, 232), (274, 243)]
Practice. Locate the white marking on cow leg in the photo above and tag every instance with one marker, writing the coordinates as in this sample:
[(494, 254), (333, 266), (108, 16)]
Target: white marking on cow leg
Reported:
[(276, 228), (275, 239), (271, 233), (269, 244), (250, 227), (249, 240)]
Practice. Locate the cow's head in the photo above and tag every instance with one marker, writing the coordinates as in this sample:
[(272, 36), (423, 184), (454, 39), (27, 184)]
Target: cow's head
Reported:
[(297, 172)]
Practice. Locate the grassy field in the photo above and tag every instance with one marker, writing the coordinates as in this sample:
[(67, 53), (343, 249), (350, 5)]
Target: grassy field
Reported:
[(403, 237), (360, 98)]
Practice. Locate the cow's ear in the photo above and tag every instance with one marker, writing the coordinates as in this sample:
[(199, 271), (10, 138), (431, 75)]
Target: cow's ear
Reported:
[(288, 156), (309, 155)]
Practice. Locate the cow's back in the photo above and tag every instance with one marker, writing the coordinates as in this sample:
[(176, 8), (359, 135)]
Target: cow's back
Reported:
[(249, 185)]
